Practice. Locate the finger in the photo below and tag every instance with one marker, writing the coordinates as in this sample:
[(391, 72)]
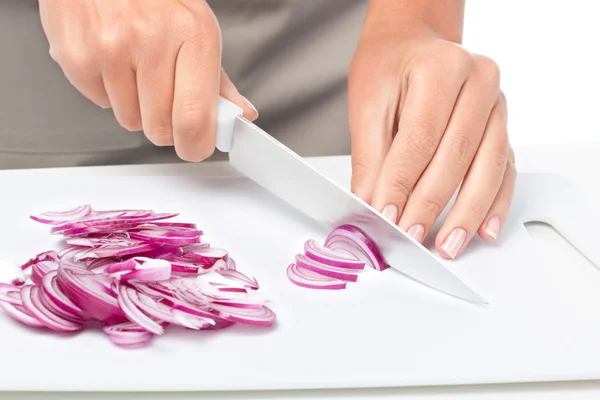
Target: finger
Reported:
[(121, 87), (229, 91), (196, 97), (430, 99), (453, 157), (372, 109), (492, 224), (479, 188), (91, 87), (155, 81)]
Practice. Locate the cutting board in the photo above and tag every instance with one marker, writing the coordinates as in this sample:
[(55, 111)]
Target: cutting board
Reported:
[(542, 323)]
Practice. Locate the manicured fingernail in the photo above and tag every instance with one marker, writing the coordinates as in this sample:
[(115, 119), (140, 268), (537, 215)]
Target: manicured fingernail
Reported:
[(250, 104), (454, 242), (493, 227), (417, 231), (390, 212)]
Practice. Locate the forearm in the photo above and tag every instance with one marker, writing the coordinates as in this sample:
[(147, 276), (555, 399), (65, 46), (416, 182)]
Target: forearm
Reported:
[(443, 17)]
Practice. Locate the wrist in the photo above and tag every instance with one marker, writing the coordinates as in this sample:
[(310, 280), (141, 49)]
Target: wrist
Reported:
[(410, 18)]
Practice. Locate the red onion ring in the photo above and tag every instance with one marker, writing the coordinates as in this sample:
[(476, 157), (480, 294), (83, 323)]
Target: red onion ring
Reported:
[(323, 269), (312, 280)]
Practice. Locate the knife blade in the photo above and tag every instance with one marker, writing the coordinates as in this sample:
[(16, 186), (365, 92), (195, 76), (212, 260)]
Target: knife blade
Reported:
[(270, 164)]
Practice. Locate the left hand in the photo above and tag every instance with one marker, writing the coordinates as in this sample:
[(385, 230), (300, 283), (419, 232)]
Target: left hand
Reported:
[(426, 115)]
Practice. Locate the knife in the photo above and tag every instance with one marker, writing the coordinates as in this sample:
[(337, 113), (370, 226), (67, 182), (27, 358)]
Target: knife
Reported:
[(270, 164)]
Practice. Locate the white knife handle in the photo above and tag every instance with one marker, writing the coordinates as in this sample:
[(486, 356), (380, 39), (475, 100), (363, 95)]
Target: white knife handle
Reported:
[(228, 113)]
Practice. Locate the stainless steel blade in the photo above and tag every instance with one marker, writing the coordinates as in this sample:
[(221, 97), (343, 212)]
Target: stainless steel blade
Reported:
[(260, 157)]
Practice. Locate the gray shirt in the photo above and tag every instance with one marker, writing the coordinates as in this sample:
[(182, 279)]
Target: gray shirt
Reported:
[(289, 57)]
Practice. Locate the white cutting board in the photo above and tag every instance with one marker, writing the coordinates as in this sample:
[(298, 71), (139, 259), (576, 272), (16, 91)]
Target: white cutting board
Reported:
[(543, 322)]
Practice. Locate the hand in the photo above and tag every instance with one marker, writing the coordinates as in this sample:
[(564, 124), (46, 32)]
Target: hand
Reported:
[(426, 115), (157, 63)]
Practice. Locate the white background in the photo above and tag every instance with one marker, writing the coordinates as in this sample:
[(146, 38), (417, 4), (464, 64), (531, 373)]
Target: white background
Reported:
[(549, 55)]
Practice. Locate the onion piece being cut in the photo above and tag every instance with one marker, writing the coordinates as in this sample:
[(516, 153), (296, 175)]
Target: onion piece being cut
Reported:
[(347, 250), (352, 240)]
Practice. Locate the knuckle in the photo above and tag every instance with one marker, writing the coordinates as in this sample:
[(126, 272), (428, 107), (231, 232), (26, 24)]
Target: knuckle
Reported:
[(398, 187), (74, 60), (421, 136), (110, 43), (488, 71), (360, 166), (453, 59), (460, 149), (458, 59), (499, 161), (432, 206), (191, 118), (477, 211), (193, 24)]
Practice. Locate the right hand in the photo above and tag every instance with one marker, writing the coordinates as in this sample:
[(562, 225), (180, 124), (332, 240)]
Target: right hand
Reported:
[(156, 63)]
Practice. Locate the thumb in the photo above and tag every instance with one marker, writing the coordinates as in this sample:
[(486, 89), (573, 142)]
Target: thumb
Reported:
[(371, 121), (229, 91)]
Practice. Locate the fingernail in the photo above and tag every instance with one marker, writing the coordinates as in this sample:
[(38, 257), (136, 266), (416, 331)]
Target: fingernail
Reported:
[(390, 212), (417, 231), (493, 226), (454, 242), (250, 104)]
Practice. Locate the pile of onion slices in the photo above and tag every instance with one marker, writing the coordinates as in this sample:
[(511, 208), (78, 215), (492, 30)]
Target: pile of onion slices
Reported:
[(133, 272)]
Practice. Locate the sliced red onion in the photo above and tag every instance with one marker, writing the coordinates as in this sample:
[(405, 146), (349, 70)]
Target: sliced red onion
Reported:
[(167, 236), (162, 312), (313, 250), (107, 222), (136, 273), (207, 256), (31, 301), (326, 270), (135, 314), (238, 277), (21, 314), (312, 280), (45, 256), (147, 269), (128, 335), (263, 316), (165, 252), (10, 294), (52, 290), (60, 217), (125, 248), (354, 241), (88, 291), (40, 269)]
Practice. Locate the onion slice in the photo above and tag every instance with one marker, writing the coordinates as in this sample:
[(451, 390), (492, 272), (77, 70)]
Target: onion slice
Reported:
[(312, 280), (319, 253), (326, 270)]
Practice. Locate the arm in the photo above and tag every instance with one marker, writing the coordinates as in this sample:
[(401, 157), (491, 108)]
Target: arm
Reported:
[(442, 17)]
